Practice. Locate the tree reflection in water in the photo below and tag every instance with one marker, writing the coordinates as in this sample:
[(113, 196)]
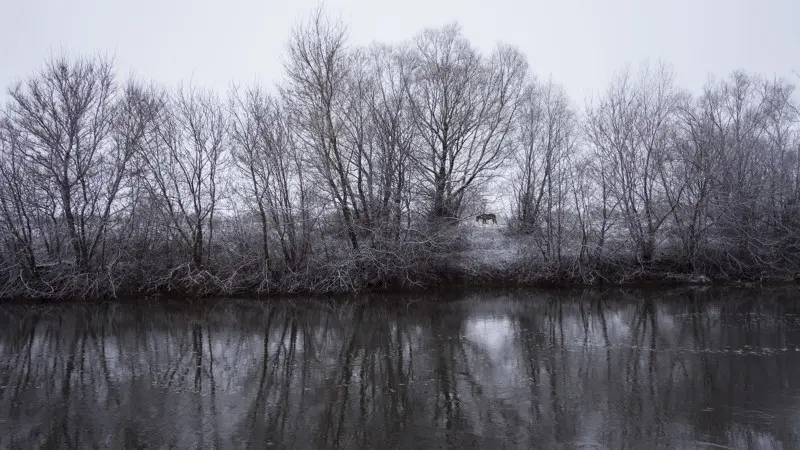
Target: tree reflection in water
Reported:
[(683, 368)]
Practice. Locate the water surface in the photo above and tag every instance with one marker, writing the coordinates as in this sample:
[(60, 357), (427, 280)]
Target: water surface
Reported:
[(681, 368)]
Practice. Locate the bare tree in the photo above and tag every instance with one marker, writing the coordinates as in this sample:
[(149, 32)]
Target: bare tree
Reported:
[(741, 117), (632, 129), (18, 202), (318, 67), (265, 152), (463, 107), (252, 114), (80, 136), (135, 118), (754, 139), (391, 139), (699, 159), (357, 132), (545, 138), (781, 170), (185, 167)]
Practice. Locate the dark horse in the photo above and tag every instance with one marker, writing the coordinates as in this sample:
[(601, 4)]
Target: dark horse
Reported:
[(486, 217)]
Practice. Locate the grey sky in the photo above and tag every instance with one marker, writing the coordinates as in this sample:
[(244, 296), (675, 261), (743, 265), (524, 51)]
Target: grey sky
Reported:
[(581, 43)]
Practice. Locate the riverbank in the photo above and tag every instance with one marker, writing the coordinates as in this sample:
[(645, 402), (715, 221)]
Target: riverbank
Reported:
[(472, 257)]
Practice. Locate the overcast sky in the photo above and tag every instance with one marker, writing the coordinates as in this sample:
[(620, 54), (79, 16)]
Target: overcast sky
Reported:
[(581, 43)]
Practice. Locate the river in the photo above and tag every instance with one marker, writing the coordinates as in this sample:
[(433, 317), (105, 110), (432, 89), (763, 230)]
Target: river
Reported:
[(693, 367)]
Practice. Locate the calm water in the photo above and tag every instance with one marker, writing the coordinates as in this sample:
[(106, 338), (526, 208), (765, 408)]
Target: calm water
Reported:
[(684, 368)]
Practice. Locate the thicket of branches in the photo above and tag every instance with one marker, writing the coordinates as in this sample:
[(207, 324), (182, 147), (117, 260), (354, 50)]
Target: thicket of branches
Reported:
[(353, 172), (652, 181)]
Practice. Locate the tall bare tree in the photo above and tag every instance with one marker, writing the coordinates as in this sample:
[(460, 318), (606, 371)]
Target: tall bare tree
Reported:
[(394, 130), (463, 106), (632, 129), (252, 120), (265, 152), (80, 133), (185, 167), (318, 69), (545, 141)]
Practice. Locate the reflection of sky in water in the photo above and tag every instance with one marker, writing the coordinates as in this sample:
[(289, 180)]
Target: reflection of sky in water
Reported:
[(495, 356), (495, 334)]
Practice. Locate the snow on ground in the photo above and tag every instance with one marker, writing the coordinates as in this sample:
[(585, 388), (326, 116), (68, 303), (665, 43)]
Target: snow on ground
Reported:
[(489, 245)]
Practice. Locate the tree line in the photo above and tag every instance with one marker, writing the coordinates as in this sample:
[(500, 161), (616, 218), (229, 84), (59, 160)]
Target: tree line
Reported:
[(354, 171)]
